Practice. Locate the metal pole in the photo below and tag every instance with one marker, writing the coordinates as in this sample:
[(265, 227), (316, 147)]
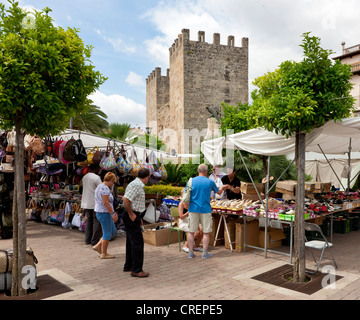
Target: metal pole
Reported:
[(331, 167), (267, 204), (349, 164)]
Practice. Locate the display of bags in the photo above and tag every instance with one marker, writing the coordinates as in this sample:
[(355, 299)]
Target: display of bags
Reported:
[(108, 161), (187, 192)]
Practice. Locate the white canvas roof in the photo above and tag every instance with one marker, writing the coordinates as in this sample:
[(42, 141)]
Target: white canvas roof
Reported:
[(90, 141), (333, 138)]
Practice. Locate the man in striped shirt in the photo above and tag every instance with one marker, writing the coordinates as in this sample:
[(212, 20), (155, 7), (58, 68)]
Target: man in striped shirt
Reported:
[(134, 202)]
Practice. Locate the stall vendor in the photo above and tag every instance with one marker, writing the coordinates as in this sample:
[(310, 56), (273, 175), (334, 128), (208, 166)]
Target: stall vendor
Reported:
[(233, 191)]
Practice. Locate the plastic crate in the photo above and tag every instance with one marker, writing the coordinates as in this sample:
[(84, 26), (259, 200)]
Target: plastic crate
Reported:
[(342, 226)]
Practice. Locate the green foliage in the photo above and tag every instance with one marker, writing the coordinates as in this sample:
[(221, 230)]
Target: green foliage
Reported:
[(150, 141), (303, 95), (45, 72), (165, 190), (119, 131), (92, 119), (173, 173), (235, 117)]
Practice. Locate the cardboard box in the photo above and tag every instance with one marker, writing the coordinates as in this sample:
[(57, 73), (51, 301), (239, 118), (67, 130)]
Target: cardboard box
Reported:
[(286, 187), (232, 231), (248, 187), (274, 237), (250, 196), (321, 186), (159, 237), (252, 235)]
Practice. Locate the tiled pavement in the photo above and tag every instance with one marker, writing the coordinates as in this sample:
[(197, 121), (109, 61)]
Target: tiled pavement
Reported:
[(226, 276)]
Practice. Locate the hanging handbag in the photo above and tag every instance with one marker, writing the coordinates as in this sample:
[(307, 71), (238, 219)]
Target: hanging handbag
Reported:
[(123, 164), (108, 161), (187, 192), (90, 155), (135, 164), (79, 151), (61, 152), (146, 163), (155, 177), (68, 153), (162, 169), (37, 145)]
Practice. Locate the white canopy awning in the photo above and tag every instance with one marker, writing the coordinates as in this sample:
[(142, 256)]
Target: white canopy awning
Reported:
[(90, 141), (333, 138)]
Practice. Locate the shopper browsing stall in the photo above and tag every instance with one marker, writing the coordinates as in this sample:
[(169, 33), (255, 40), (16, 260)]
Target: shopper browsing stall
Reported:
[(105, 214), (134, 202), (93, 230), (200, 209)]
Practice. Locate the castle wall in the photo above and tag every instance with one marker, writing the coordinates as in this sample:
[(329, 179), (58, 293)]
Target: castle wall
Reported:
[(201, 74)]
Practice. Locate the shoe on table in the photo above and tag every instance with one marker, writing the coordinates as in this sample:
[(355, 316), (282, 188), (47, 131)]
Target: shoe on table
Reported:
[(140, 274)]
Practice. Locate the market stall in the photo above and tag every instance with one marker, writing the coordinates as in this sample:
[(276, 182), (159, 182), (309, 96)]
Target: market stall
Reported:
[(54, 168), (341, 137)]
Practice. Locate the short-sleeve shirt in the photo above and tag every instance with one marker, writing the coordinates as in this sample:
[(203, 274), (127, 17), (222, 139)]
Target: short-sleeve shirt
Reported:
[(135, 193), (102, 190), (201, 188), (234, 183), (90, 182)]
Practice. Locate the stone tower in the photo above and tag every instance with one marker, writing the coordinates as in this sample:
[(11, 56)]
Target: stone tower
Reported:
[(201, 75)]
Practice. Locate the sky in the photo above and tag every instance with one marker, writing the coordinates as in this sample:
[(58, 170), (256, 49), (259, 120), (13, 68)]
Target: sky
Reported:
[(132, 38)]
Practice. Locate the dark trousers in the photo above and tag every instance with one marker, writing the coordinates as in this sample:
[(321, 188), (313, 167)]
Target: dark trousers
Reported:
[(93, 231), (134, 243)]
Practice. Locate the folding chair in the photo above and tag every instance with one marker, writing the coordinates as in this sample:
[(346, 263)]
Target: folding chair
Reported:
[(174, 226), (317, 244)]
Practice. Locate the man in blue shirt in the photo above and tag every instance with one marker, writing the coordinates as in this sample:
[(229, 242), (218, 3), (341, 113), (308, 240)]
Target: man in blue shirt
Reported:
[(200, 209)]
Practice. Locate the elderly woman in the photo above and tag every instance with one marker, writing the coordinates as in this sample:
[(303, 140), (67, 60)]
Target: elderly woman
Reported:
[(105, 214)]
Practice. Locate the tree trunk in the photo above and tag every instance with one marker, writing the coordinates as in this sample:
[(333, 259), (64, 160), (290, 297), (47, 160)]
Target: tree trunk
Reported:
[(299, 234), (20, 240), (14, 276)]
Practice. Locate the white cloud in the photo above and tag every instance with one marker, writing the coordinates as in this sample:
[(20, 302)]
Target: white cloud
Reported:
[(274, 28), (135, 80), (118, 44), (120, 109)]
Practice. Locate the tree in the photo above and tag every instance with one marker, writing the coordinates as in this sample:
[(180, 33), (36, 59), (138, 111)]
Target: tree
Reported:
[(240, 118), (119, 131), (45, 77), (91, 120), (294, 99)]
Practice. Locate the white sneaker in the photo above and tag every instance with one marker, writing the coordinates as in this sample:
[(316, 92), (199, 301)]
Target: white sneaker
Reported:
[(185, 249)]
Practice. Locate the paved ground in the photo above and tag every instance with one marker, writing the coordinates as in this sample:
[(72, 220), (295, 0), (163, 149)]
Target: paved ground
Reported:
[(226, 276)]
